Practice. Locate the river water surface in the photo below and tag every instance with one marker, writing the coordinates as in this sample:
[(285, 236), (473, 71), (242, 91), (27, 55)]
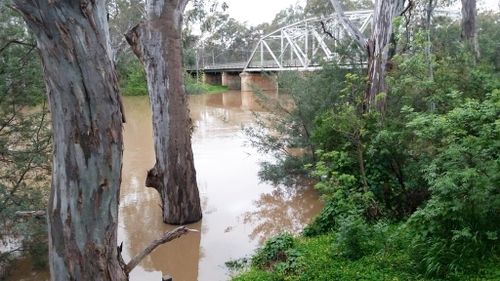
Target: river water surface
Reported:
[(239, 211)]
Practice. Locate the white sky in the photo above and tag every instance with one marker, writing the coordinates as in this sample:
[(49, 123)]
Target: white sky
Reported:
[(259, 11)]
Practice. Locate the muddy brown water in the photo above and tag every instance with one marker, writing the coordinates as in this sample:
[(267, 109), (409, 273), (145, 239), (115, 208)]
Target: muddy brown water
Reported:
[(239, 211)]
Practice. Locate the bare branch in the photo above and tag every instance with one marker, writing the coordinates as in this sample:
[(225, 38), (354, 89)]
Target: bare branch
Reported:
[(167, 236), (353, 31), (30, 214), (6, 45), (323, 26)]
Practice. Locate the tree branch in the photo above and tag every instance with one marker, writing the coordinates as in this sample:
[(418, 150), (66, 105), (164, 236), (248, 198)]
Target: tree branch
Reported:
[(167, 236), (30, 214), (323, 26), (15, 42), (352, 30)]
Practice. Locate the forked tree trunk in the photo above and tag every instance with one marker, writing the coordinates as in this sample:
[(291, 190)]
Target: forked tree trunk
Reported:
[(469, 28), (376, 46), (158, 44), (378, 50), (87, 124)]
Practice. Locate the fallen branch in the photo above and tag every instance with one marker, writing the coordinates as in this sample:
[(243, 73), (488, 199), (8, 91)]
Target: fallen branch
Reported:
[(31, 214), (167, 236)]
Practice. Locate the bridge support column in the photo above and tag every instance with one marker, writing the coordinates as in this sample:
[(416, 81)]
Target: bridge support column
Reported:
[(231, 80), (212, 78), (251, 81)]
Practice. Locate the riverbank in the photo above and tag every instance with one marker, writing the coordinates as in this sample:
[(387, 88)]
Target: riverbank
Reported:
[(379, 253)]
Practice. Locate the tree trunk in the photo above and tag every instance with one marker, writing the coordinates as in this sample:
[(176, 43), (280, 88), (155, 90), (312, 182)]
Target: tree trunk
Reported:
[(378, 50), (377, 46), (158, 44), (87, 124), (469, 29)]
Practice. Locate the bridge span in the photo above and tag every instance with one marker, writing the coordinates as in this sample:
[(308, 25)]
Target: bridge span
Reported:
[(302, 46)]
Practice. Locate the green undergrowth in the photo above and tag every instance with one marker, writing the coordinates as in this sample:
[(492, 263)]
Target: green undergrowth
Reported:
[(323, 258), (133, 82), (198, 88)]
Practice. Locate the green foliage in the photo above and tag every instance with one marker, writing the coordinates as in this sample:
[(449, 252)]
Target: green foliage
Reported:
[(411, 192), (132, 78), (257, 275), (194, 87), (277, 252), (289, 127), (25, 143), (458, 227), (352, 237)]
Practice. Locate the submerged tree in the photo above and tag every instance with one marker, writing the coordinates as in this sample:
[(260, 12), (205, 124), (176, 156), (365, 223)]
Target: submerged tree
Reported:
[(87, 117), (157, 41)]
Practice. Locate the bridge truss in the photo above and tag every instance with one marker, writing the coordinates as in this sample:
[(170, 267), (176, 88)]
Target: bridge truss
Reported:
[(307, 44)]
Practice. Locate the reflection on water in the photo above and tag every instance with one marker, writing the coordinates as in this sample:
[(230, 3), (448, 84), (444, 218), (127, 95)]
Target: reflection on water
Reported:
[(239, 212), (281, 210)]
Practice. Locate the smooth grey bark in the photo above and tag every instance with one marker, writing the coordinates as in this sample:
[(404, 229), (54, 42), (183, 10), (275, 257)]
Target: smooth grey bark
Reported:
[(376, 46), (469, 28), (84, 99), (157, 42), (378, 49)]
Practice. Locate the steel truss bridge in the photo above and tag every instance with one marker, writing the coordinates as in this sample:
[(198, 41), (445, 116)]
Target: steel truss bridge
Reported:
[(307, 44)]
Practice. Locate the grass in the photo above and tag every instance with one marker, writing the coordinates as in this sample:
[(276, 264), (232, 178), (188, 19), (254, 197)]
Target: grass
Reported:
[(197, 88), (319, 261)]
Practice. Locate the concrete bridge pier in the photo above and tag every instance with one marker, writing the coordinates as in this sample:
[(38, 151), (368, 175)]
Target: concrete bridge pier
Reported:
[(232, 80), (264, 81)]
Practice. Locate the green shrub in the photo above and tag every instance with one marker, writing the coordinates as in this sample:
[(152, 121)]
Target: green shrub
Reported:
[(352, 238), (279, 255), (458, 228)]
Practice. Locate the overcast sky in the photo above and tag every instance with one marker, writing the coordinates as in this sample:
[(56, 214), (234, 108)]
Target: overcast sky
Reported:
[(259, 11)]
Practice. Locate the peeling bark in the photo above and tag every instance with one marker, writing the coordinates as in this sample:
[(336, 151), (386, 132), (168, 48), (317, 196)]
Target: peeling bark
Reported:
[(83, 94), (157, 43)]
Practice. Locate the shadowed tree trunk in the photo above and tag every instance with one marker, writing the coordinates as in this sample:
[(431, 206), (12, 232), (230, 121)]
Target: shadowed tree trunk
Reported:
[(157, 43), (376, 46), (72, 37), (469, 28)]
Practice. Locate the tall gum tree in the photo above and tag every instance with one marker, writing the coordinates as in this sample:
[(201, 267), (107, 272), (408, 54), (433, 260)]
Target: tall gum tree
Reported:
[(72, 37), (157, 42), (469, 28), (82, 89), (376, 46)]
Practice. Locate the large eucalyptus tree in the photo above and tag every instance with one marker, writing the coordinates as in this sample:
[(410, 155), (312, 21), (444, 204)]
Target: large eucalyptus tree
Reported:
[(157, 42), (86, 113), (82, 90)]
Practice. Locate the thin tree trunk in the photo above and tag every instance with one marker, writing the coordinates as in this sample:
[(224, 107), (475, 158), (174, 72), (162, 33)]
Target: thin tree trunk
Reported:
[(431, 4), (376, 46), (378, 50), (158, 44), (469, 28), (87, 124)]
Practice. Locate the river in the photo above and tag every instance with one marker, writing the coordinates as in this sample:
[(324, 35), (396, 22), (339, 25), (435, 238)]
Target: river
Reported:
[(239, 211)]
